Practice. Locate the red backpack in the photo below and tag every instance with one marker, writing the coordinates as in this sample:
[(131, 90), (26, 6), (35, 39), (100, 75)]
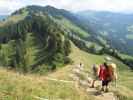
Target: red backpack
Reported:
[(104, 73)]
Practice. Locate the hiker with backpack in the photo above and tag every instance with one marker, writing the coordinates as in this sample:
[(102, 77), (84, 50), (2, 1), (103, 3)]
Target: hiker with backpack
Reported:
[(107, 73), (95, 75), (113, 71)]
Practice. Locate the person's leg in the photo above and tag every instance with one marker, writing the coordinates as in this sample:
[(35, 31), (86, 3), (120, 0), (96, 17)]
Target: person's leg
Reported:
[(107, 88), (103, 84), (93, 84)]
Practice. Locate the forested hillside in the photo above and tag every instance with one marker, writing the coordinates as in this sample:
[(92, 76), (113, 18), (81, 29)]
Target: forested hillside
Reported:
[(37, 39), (32, 42), (41, 46)]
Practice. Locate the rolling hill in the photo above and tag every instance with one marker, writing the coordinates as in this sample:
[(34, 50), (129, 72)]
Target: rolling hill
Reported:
[(35, 36), (115, 27), (39, 42), (35, 87)]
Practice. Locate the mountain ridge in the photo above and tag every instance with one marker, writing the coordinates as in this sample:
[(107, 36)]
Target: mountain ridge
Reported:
[(40, 23), (43, 45), (116, 27)]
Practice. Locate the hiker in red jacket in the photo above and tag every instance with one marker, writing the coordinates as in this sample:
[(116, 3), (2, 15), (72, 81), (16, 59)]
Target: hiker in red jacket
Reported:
[(105, 76)]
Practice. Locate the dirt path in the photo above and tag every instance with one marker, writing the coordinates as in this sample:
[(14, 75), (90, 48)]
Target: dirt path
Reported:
[(53, 79), (85, 83), (82, 80), (101, 96)]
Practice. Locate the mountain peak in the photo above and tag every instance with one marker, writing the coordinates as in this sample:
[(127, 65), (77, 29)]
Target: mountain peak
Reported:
[(49, 7), (42, 7), (36, 9)]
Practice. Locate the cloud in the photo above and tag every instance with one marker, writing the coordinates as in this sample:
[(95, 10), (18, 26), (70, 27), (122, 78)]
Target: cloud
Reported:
[(109, 5), (8, 6), (3, 8)]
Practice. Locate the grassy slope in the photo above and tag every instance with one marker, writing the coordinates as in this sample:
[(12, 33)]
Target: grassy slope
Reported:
[(124, 83), (14, 86), (24, 87), (66, 24)]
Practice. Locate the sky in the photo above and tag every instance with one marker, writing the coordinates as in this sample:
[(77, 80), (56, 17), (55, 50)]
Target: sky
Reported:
[(126, 6)]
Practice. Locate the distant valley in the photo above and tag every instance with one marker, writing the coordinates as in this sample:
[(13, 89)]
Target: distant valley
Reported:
[(117, 28)]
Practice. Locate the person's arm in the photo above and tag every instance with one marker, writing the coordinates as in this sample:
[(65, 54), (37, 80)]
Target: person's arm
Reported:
[(99, 71)]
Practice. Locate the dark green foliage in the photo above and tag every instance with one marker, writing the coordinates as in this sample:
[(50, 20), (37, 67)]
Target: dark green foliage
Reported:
[(66, 46), (33, 42), (8, 53), (82, 45), (129, 62)]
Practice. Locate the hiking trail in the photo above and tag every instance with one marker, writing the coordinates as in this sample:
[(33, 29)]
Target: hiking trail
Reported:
[(83, 80)]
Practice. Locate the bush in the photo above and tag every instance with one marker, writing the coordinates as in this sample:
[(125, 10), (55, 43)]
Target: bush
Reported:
[(67, 60)]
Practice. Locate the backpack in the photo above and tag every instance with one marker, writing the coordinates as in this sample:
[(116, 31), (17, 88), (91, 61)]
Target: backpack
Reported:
[(112, 71), (109, 74), (105, 73)]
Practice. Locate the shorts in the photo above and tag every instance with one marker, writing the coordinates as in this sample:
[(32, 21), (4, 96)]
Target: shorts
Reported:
[(105, 82)]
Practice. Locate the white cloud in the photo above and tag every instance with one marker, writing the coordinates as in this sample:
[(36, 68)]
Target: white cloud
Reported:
[(8, 6), (3, 7)]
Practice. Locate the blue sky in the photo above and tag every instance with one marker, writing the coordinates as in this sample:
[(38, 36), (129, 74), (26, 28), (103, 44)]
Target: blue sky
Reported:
[(9, 6)]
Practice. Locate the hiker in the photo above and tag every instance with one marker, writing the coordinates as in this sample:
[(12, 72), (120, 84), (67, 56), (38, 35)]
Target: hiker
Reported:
[(95, 75), (112, 68), (104, 76), (77, 71), (81, 66), (107, 73)]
